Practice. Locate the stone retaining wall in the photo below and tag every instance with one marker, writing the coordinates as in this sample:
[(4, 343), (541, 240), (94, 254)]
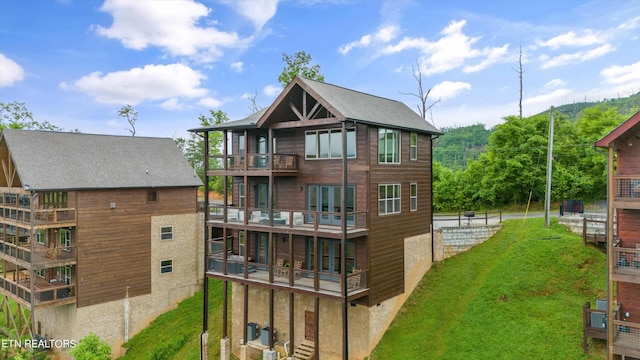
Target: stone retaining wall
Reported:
[(450, 241)]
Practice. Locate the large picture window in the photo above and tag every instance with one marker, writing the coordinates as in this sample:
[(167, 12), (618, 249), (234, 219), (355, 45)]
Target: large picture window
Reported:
[(388, 199), (388, 146), (328, 199), (327, 144)]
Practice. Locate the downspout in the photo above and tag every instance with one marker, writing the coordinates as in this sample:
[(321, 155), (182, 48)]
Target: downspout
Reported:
[(433, 257)]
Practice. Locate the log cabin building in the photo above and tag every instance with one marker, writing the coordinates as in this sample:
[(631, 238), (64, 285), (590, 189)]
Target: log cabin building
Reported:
[(89, 229), (327, 224), (623, 241)]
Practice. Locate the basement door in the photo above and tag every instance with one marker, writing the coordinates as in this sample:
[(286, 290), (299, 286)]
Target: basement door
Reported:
[(310, 326)]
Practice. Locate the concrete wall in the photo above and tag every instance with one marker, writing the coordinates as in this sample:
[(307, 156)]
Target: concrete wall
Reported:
[(575, 223), (366, 325), (107, 320), (454, 240)]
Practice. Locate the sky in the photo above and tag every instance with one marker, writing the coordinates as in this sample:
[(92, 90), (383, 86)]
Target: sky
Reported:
[(75, 63)]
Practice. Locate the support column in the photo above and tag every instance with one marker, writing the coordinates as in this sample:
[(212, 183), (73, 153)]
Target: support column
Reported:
[(225, 349)]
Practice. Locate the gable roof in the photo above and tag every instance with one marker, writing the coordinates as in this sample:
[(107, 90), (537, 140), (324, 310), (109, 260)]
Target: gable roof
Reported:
[(627, 128), (349, 105), (47, 160)]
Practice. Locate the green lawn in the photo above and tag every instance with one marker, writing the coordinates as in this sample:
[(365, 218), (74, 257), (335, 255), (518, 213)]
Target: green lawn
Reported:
[(176, 334), (517, 296)]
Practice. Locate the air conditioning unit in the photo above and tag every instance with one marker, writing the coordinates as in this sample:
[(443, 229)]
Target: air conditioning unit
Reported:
[(601, 304), (599, 320)]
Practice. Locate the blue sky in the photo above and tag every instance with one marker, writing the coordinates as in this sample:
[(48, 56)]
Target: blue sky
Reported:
[(75, 63)]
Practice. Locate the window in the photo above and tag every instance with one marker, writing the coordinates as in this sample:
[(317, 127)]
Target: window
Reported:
[(152, 196), (327, 144), (41, 237), (413, 146), (65, 239), (166, 266), (329, 253), (388, 146), (328, 199), (388, 199), (41, 273), (241, 145), (166, 233), (414, 197)]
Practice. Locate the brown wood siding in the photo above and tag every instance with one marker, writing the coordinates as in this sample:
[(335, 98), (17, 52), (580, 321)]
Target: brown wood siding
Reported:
[(628, 158), (386, 274), (114, 245)]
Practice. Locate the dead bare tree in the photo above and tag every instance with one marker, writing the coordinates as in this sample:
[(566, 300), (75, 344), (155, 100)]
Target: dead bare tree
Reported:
[(131, 115), (254, 105), (423, 108), (520, 72)]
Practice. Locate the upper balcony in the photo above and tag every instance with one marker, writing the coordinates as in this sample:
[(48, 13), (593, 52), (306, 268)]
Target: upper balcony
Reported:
[(255, 164), (627, 191)]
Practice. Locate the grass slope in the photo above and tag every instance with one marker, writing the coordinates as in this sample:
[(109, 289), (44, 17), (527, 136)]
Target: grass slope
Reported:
[(176, 333), (517, 296)]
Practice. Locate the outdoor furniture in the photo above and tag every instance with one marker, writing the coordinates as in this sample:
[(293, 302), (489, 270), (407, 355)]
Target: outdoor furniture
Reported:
[(297, 266)]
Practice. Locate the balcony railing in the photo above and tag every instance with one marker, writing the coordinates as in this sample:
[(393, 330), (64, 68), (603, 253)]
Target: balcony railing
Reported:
[(41, 255), (40, 216), (627, 191), (253, 162), (292, 219), (626, 338), (234, 268), (52, 292), (626, 264)]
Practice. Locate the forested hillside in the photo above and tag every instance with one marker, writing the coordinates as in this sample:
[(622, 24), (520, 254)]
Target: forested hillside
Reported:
[(512, 167)]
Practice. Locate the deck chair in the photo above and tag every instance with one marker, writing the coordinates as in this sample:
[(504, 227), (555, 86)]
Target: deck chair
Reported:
[(297, 267), (277, 270)]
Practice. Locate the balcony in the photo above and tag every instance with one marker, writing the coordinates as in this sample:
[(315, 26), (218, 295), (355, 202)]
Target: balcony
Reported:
[(45, 293), (41, 217), (41, 256), (626, 265), (285, 276), (302, 222), (256, 164), (626, 338), (627, 192)]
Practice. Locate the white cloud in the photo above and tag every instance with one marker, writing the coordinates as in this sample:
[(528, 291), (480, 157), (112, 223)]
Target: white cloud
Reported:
[(383, 35), (586, 38), (577, 57), (11, 71), (448, 89), (210, 102), (169, 25), (271, 90), (153, 82), (237, 66), (545, 100), (628, 74), (555, 83), (258, 11), (451, 51), (172, 104)]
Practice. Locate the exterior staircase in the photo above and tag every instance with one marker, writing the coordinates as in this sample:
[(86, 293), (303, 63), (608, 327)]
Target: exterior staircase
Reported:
[(304, 351)]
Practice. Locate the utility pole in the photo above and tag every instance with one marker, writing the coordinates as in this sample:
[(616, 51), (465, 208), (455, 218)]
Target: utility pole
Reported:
[(547, 201)]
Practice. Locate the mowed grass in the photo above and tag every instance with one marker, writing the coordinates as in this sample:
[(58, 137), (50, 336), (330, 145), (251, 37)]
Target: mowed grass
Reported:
[(517, 296), (176, 333)]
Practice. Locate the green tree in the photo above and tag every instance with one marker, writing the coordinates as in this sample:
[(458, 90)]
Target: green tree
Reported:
[(91, 347), (127, 112), (15, 115), (298, 64)]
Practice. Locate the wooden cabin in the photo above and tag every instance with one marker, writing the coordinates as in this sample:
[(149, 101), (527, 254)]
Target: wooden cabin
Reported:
[(90, 223), (327, 223), (623, 311)]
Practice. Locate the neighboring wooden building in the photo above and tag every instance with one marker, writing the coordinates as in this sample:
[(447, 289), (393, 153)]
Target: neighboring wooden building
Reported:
[(329, 224), (90, 226), (623, 144)]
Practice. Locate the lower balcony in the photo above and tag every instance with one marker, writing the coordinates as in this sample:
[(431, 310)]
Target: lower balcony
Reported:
[(626, 264), (287, 277), (42, 256), (626, 338), (45, 293), (627, 192)]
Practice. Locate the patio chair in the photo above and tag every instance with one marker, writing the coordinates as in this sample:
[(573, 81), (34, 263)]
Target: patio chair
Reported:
[(278, 268), (297, 267)]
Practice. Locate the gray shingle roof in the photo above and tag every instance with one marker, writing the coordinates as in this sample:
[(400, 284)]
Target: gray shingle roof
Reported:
[(351, 104), (72, 161)]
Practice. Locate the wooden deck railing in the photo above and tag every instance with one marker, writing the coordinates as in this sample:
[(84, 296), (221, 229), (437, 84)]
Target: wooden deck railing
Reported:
[(44, 293), (626, 261), (627, 186), (292, 219), (276, 162), (626, 334), (41, 255), (40, 217)]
